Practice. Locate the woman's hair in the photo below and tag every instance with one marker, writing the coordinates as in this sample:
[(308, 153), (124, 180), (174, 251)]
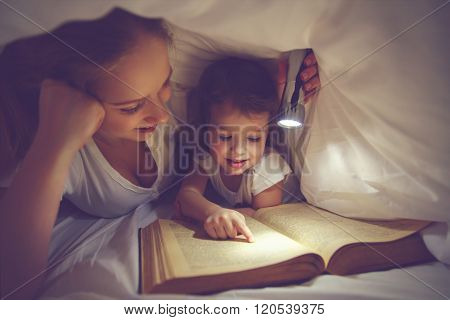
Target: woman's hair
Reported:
[(244, 83), (72, 53)]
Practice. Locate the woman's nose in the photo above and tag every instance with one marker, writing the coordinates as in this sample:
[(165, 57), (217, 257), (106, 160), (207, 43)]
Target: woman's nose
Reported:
[(162, 114), (157, 112)]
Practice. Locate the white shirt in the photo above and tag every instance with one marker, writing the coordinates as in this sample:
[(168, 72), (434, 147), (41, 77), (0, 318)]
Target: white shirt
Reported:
[(95, 187), (269, 170)]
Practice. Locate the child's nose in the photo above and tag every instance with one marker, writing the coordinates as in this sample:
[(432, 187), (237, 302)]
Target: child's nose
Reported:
[(238, 147)]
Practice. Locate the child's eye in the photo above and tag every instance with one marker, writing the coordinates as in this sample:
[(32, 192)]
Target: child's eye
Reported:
[(224, 137), (134, 108), (254, 139)]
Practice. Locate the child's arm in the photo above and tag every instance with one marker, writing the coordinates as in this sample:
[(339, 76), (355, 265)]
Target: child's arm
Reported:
[(268, 198), (217, 221), (190, 200)]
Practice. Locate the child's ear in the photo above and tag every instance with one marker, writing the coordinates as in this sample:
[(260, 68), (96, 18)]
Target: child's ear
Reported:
[(193, 112), (205, 137), (185, 148)]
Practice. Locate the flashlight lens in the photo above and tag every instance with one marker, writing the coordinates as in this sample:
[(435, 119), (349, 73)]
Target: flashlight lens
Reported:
[(290, 123)]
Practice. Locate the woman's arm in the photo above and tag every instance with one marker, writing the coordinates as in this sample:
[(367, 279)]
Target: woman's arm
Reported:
[(29, 209), (67, 118), (2, 192)]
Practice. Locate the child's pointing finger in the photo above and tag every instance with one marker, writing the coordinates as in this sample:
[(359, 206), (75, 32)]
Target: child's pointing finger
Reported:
[(243, 229)]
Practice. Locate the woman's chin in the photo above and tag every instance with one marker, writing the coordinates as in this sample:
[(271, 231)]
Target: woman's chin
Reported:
[(142, 136)]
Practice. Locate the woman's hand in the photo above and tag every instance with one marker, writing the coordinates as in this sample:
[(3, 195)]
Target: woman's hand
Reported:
[(67, 116), (310, 76), (225, 223)]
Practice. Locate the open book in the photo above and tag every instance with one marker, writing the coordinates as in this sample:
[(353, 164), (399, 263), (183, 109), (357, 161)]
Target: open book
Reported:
[(293, 243)]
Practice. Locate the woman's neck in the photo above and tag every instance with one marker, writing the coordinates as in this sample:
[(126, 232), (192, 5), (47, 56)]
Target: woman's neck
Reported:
[(113, 143)]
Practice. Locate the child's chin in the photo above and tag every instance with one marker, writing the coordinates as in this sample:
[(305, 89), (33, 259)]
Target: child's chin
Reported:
[(235, 171)]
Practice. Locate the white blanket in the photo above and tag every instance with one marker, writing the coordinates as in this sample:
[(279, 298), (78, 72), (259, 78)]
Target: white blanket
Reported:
[(378, 141)]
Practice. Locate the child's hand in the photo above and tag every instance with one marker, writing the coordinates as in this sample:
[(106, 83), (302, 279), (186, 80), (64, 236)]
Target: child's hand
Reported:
[(226, 223)]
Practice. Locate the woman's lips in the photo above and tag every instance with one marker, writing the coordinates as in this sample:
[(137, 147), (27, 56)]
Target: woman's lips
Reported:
[(146, 129)]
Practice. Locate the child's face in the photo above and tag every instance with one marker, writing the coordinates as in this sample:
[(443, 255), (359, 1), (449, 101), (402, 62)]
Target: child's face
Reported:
[(134, 97), (237, 140)]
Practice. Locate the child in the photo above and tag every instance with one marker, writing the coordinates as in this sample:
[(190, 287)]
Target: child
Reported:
[(236, 101), (80, 117)]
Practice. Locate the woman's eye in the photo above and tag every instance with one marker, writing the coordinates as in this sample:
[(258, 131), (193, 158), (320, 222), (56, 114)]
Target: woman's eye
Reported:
[(254, 139), (224, 138), (133, 109), (166, 84)]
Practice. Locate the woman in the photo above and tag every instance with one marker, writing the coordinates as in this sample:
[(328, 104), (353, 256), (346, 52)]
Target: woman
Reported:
[(78, 109)]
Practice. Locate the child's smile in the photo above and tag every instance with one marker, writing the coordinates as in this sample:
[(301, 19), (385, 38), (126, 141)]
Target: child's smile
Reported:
[(236, 164)]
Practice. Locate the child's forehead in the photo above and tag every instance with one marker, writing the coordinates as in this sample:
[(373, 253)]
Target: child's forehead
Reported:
[(229, 117), (241, 128)]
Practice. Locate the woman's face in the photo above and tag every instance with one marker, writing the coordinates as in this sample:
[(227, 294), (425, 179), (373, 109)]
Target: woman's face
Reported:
[(135, 91), (237, 141)]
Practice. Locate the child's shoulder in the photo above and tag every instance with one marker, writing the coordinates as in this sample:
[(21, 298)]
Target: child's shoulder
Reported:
[(271, 155), (272, 162)]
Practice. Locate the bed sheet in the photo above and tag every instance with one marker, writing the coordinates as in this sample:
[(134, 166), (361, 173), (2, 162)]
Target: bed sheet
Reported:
[(98, 259)]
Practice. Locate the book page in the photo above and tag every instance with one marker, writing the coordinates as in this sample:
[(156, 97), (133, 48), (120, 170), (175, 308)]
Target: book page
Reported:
[(191, 252), (325, 232)]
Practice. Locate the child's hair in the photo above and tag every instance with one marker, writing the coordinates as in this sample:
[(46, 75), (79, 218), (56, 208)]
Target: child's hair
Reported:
[(69, 53), (244, 83)]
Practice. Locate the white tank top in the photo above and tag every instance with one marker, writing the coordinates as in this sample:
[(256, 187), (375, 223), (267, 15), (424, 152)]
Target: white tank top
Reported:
[(269, 170), (98, 189)]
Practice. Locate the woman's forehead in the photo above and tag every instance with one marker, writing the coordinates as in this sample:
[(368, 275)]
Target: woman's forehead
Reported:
[(139, 73)]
